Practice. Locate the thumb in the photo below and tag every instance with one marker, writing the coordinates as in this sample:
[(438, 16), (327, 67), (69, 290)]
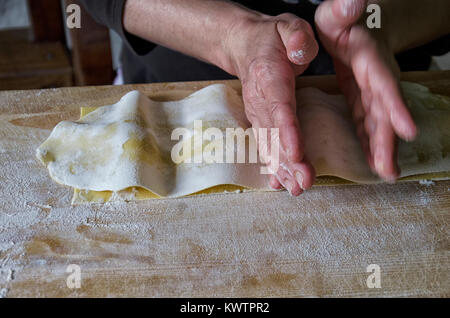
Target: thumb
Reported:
[(298, 39)]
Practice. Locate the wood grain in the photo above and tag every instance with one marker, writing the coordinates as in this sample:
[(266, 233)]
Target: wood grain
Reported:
[(233, 245)]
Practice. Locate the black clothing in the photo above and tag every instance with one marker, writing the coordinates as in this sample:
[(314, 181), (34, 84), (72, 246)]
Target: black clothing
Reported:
[(145, 62)]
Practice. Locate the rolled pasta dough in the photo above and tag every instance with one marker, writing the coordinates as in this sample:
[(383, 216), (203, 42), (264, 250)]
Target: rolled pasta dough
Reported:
[(122, 151)]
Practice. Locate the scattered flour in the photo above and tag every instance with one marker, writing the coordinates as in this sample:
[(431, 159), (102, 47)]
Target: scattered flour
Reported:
[(330, 230), (7, 275), (427, 183), (3, 292), (299, 54)]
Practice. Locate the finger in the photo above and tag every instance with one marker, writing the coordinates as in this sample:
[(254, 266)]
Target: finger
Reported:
[(363, 123), (298, 39), (277, 109), (348, 12), (299, 69), (304, 173), (337, 15), (352, 93), (383, 149), (364, 140), (291, 149), (285, 119), (370, 131), (389, 91), (346, 81), (288, 181), (301, 48), (279, 91), (294, 23), (382, 84), (274, 183)]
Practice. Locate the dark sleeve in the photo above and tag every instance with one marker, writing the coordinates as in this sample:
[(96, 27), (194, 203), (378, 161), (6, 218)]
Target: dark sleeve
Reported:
[(439, 47), (110, 13)]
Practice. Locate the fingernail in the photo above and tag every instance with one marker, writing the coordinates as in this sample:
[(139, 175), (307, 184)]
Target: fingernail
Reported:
[(379, 166), (413, 135), (347, 7), (301, 56), (298, 55), (299, 177), (288, 186)]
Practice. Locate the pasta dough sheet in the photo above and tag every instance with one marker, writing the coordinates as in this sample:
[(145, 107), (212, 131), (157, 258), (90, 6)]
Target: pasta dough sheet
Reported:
[(334, 150), (123, 151)]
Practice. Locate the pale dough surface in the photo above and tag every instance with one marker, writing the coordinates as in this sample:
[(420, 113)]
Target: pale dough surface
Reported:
[(122, 151)]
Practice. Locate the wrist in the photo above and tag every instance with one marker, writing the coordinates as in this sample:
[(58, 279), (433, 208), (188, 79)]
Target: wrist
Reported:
[(202, 29)]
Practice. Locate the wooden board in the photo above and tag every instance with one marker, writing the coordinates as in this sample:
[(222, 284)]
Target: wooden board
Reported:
[(228, 245)]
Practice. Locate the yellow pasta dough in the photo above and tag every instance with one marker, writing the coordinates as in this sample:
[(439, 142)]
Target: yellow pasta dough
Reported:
[(122, 151)]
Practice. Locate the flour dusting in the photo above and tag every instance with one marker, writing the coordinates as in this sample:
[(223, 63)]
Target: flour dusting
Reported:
[(234, 244), (427, 183)]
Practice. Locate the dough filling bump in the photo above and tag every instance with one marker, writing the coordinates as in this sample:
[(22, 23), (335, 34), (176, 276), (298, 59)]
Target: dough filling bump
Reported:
[(123, 151)]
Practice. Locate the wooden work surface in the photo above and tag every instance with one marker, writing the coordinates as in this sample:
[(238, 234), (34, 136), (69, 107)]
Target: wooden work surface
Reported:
[(249, 244)]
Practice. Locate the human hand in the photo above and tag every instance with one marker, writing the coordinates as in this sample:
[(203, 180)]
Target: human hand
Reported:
[(267, 54), (369, 78)]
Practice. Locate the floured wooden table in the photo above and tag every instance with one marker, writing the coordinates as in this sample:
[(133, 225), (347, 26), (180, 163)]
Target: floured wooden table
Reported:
[(225, 245)]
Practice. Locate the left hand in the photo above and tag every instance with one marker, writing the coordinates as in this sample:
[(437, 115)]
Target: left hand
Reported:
[(368, 74)]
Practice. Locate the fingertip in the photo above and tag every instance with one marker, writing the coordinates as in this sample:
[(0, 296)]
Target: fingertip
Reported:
[(309, 177), (411, 133), (292, 187), (302, 47), (350, 9), (384, 150), (305, 174), (404, 125), (274, 183), (385, 166), (296, 190)]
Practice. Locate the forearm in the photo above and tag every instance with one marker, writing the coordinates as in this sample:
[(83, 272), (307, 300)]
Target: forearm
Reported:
[(410, 23), (198, 28)]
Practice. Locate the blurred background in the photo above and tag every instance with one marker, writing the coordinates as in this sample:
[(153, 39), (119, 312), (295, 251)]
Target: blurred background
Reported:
[(38, 51)]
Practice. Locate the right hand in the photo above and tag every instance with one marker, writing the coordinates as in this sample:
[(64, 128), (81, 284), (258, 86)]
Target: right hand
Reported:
[(368, 75), (266, 55)]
